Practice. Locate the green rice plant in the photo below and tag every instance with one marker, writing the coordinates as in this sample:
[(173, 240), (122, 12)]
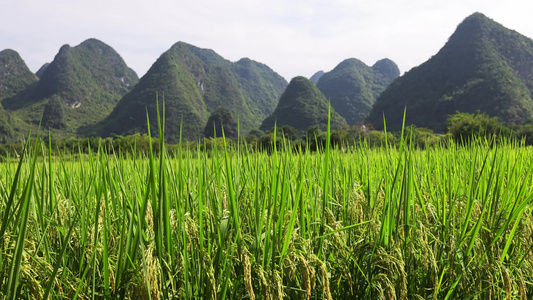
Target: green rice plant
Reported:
[(390, 222), (18, 228)]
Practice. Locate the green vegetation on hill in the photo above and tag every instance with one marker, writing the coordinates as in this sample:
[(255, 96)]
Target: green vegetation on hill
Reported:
[(14, 78), (6, 132), (301, 106), (14, 74), (194, 82), (53, 114), (80, 87), (483, 66), (316, 77), (352, 86), (261, 87), (388, 71), (221, 122), (40, 72)]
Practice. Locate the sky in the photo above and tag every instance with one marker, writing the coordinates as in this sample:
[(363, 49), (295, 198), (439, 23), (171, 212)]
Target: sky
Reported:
[(293, 37)]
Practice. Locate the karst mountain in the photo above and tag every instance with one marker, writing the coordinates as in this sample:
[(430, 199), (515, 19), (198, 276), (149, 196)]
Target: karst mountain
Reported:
[(483, 67)]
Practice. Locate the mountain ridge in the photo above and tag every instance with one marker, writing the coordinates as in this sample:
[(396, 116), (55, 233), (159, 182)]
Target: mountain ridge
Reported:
[(194, 82), (352, 86), (80, 86), (88, 90)]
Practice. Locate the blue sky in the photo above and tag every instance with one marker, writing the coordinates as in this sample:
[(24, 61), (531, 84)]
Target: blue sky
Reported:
[(297, 37)]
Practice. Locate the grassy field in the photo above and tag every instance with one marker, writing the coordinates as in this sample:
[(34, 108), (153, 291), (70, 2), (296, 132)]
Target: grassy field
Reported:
[(448, 222)]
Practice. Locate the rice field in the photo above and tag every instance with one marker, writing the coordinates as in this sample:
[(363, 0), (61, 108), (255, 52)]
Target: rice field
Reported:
[(449, 222)]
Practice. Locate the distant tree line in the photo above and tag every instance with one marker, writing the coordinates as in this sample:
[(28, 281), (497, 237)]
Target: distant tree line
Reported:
[(462, 128)]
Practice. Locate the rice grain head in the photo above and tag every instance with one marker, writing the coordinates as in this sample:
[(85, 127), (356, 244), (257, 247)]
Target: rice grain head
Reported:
[(28, 278), (248, 275), (265, 286)]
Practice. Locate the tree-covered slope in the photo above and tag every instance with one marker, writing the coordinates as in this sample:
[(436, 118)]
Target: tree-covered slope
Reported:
[(483, 66), (353, 87), (6, 130), (194, 82), (12, 129), (261, 87), (301, 106), (40, 72), (14, 78), (14, 74), (221, 123)]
